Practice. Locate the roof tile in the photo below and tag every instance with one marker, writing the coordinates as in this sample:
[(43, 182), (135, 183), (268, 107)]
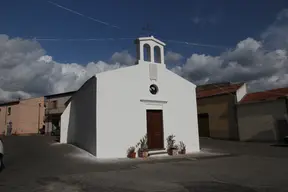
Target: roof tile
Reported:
[(218, 90), (265, 95)]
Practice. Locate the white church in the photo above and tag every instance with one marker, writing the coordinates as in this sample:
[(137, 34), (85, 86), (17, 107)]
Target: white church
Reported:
[(109, 113)]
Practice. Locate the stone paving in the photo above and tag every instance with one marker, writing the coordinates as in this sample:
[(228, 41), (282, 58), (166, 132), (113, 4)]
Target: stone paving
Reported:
[(36, 164)]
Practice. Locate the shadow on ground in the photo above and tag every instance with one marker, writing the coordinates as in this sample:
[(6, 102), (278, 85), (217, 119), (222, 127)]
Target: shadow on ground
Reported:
[(39, 164)]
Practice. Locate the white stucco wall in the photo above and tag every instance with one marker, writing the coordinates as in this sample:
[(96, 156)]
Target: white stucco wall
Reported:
[(81, 120), (65, 118), (241, 92), (122, 99)]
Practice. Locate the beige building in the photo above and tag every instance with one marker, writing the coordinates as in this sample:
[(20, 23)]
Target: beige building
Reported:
[(55, 105), (216, 105), (262, 116), (22, 117)]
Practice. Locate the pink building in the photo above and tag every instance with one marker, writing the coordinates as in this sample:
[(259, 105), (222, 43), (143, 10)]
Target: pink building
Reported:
[(22, 117)]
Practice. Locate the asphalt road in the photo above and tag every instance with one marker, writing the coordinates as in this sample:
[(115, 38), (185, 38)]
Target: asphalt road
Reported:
[(246, 148), (36, 164)]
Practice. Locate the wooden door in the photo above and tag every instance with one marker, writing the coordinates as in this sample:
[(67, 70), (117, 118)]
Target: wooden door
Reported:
[(155, 129)]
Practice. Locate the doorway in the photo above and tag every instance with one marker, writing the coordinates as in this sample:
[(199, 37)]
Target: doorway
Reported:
[(203, 125), (155, 133)]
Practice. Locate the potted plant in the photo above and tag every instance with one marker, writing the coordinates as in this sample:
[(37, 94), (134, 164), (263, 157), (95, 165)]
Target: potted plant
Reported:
[(182, 148), (131, 152), (143, 147), (171, 146)]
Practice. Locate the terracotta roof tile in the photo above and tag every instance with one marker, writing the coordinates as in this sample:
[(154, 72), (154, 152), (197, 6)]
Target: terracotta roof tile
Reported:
[(265, 95), (218, 90)]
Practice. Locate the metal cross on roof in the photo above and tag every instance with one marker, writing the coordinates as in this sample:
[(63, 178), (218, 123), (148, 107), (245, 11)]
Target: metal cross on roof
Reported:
[(147, 29)]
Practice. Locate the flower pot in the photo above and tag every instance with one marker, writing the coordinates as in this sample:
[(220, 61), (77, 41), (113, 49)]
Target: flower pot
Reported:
[(143, 154), (172, 151), (132, 155), (182, 152), (140, 154)]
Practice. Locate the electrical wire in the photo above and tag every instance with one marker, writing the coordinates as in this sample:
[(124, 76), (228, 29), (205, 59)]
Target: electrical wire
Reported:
[(131, 38), (197, 44), (82, 39), (82, 15)]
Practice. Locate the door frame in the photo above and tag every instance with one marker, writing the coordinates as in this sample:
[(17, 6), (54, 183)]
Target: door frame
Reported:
[(149, 104)]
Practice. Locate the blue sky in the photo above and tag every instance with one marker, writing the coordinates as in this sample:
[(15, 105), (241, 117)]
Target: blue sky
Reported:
[(249, 41), (223, 23)]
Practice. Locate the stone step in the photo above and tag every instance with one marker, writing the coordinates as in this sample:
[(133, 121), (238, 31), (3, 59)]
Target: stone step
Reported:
[(158, 153)]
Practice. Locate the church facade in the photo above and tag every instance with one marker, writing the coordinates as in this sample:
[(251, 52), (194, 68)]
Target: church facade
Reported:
[(113, 110)]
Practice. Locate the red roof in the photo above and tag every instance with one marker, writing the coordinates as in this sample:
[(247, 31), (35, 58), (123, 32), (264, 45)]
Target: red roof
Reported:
[(265, 95), (218, 90)]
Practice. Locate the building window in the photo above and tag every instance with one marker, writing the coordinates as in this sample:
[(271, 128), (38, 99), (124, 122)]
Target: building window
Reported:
[(9, 110), (54, 104)]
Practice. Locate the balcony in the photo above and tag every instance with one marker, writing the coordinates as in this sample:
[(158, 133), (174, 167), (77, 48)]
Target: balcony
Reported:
[(51, 111)]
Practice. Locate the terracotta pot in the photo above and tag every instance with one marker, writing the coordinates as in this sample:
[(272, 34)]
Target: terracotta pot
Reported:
[(170, 151), (132, 155), (143, 154)]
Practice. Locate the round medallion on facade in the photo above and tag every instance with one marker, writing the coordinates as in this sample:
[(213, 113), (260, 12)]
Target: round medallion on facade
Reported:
[(153, 89)]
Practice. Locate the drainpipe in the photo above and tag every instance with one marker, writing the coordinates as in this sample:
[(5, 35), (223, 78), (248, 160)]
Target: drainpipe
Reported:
[(48, 116), (286, 103), (235, 108), (5, 126), (286, 106), (39, 105)]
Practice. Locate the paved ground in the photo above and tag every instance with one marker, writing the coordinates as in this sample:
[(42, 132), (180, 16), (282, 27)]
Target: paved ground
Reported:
[(247, 148), (36, 164)]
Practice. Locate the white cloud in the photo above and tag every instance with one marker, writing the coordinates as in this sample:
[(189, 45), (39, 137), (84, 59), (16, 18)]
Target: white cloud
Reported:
[(173, 58), (26, 70), (263, 63), (123, 58), (276, 36), (6, 95)]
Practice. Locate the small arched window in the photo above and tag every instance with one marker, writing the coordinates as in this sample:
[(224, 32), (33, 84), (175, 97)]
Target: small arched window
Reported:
[(157, 54), (147, 52)]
